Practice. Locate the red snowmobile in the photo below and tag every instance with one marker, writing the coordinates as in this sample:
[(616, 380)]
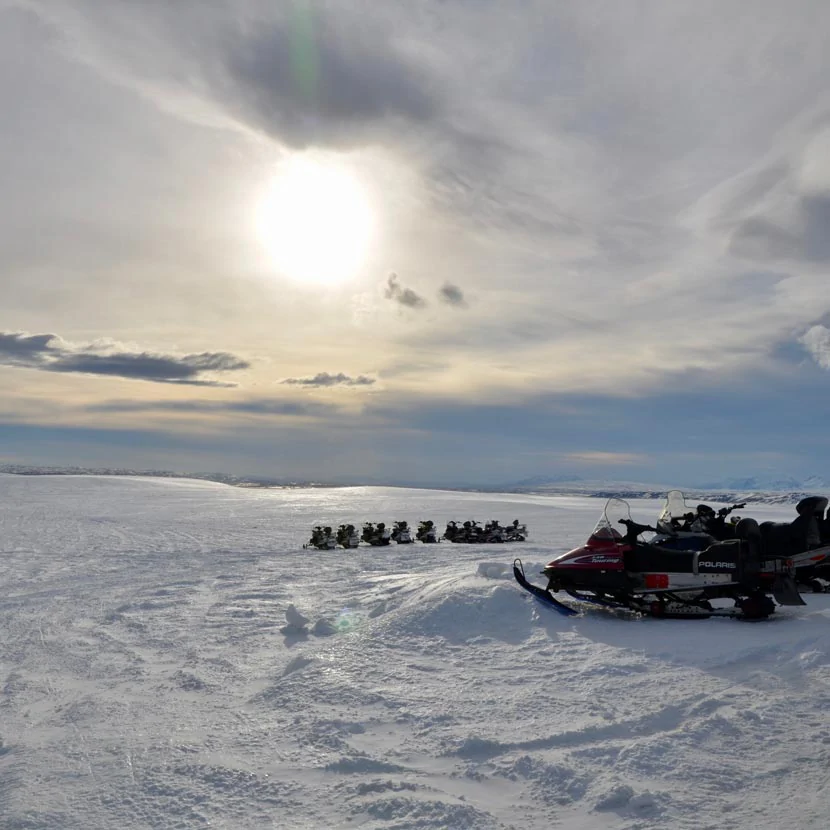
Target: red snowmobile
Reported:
[(614, 568)]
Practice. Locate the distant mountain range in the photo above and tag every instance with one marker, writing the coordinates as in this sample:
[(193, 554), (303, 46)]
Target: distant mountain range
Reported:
[(752, 483), (772, 490), (770, 483)]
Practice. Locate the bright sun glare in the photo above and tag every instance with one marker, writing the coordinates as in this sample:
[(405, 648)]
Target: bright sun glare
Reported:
[(316, 221)]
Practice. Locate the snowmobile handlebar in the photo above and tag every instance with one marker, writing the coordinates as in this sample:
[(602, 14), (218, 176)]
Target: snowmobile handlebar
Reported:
[(725, 511), (635, 528)]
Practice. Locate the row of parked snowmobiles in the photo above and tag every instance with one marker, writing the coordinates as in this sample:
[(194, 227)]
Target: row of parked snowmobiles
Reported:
[(696, 557), (492, 532), (377, 535)]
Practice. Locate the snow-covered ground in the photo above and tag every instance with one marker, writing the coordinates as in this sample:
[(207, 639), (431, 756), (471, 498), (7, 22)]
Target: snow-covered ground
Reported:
[(148, 678)]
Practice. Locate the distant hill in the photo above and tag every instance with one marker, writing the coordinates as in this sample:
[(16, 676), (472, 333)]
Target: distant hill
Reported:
[(220, 478), (774, 483), (779, 490), (772, 490)]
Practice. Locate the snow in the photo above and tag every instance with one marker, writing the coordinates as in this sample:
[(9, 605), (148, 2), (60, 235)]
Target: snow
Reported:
[(171, 657)]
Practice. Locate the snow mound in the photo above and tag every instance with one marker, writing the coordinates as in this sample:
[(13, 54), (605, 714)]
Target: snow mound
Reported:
[(495, 570), (402, 813), (623, 799), (464, 611)]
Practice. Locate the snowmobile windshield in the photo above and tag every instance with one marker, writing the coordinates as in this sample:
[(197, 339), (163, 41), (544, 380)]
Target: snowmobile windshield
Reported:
[(674, 509), (608, 530)]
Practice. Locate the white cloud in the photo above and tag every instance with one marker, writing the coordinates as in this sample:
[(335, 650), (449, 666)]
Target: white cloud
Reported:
[(817, 342)]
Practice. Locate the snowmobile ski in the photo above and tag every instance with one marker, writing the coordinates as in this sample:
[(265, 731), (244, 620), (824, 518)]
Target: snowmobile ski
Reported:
[(542, 594)]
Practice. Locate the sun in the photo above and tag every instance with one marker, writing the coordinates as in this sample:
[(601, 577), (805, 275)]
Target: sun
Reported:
[(316, 221)]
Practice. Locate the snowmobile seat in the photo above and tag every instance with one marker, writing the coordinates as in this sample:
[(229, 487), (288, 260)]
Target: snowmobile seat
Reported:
[(749, 533), (812, 506), (644, 558), (785, 539), (806, 532), (776, 539), (749, 530)]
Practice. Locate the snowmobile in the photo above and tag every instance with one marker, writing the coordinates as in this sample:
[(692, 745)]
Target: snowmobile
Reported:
[(452, 531), (473, 533), (321, 538), (401, 533), (617, 570), (426, 532), (805, 540), (469, 532), (347, 536), (515, 532), (493, 532), (376, 536), (684, 525)]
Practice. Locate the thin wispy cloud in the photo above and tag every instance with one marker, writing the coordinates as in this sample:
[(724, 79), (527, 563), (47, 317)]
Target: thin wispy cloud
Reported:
[(266, 407), (324, 379), (603, 458)]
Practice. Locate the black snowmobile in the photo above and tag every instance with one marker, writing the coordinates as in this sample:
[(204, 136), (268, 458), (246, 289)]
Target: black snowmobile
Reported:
[(347, 536), (379, 536), (515, 532), (462, 533), (426, 532), (321, 538), (493, 532), (401, 533), (805, 540), (614, 568)]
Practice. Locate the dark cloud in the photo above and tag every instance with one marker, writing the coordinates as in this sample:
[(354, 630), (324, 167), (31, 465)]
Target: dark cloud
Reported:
[(18, 349), (254, 406), (145, 366), (305, 80), (36, 351), (807, 238), (400, 294), (452, 295), (304, 73), (325, 379)]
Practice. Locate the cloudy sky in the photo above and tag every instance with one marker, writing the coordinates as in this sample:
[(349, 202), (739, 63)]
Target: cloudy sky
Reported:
[(435, 242)]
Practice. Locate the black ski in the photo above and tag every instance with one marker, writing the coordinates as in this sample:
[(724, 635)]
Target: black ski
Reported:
[(542, 594)]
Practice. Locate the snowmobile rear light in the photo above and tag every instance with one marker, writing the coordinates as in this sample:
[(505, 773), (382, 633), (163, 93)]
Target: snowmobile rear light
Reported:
[(657, 580)]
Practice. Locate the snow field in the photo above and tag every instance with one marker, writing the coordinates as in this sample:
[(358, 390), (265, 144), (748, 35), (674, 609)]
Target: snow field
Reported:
[(170, 657)]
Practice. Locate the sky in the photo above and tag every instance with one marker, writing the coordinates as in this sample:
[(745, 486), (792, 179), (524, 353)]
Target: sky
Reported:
[(439, 242)]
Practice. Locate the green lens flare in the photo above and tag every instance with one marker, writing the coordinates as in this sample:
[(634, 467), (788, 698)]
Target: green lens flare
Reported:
[(303, 51), (347, 620)]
